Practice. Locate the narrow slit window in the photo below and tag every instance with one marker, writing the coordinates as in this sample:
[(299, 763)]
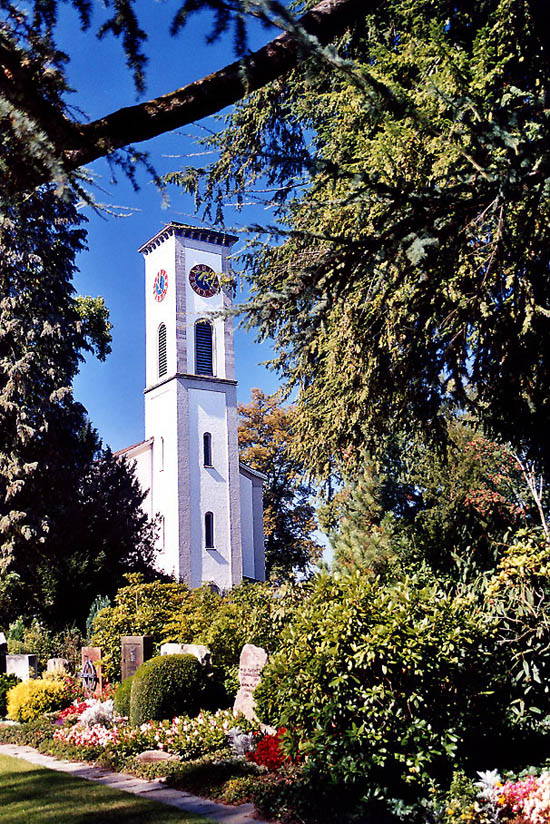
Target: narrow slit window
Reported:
[(207, 448), (163, 364), (162, 454), (203, 348), (209, 530)]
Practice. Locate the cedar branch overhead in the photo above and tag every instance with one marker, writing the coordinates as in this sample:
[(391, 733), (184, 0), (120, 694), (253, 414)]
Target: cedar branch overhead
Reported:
[(81, 143)]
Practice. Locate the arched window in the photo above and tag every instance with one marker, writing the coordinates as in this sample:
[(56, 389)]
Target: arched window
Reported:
[(209, 530), (207, 448), (162, 351), (203, 348)]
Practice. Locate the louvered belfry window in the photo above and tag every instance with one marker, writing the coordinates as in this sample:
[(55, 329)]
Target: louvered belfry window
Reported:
[(163, 366), (203, 348)]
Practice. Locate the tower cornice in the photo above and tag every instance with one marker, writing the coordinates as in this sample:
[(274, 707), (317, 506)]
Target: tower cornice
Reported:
[(193, 232), (194, 378)]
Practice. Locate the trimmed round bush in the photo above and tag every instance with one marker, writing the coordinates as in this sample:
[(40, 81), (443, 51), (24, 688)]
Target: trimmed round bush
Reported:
[(166, 686), (122, 697)]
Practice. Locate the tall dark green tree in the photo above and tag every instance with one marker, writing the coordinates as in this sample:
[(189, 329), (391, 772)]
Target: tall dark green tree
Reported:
[(70, 524)]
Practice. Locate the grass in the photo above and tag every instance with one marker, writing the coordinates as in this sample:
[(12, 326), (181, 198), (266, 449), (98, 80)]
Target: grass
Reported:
[(42, 796)]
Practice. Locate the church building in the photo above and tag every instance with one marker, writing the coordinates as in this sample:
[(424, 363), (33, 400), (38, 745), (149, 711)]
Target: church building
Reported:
[(209, 504)]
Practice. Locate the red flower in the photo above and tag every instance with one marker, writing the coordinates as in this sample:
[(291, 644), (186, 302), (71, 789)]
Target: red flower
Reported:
[(269, 751)]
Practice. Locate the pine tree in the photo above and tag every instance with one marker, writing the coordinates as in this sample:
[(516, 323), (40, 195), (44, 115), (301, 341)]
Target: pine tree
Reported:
[(363, 541)]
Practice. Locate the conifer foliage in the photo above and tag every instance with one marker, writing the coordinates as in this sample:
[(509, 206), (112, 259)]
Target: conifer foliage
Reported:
[(69, 512), (410, 269)]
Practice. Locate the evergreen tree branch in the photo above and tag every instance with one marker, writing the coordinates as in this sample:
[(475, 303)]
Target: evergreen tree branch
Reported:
[(210, 94)]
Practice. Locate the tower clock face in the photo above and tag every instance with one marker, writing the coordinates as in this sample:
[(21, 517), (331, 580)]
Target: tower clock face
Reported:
[(203, 280), (160, 286)]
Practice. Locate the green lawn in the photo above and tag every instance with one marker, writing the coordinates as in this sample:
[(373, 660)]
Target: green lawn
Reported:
[(39, 796)]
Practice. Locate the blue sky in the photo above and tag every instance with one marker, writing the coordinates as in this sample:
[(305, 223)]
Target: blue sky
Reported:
[(112, 392)]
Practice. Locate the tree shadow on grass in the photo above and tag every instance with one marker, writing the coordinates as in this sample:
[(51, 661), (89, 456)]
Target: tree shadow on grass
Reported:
[(41, 796)]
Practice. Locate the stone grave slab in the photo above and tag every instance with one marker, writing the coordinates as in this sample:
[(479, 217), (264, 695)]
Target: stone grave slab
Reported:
[(3, 652), (57, 665), (24, 667), (252, 661), (200, 651), (135, 650)]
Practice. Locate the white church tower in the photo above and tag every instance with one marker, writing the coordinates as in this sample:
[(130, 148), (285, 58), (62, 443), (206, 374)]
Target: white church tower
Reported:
[(209, 504)]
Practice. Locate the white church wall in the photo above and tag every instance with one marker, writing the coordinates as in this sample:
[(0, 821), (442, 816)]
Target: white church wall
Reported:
[(247, 526), (141, 459), (209, 487), (161, 423)]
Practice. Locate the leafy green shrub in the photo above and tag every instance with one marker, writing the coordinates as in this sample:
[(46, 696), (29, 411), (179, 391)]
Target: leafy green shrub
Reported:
[(166, 686), (6, 683), (30, 699), (122, 697), (385, 689), (240, 790), (291, 795), (250, 613), (139, 609)]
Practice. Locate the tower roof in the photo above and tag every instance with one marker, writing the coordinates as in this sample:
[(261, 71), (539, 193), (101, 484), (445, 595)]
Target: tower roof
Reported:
[(183, 230)]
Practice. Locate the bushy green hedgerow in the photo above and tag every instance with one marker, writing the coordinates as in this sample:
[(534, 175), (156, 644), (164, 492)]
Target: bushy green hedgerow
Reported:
[(166, 686), (122, 697), (248, 614), (385, 689)]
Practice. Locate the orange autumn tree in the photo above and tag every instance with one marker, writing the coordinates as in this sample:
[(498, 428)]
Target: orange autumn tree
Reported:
[(266, 436)]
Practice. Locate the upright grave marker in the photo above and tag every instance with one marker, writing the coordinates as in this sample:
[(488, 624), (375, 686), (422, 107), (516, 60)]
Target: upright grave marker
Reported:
[(135, 650), (24, 666), (90, 674), (253, 660), (57, 665)]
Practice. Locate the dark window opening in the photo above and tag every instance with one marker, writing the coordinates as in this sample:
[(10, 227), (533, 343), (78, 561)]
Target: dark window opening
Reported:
[(209, 530), (207, 448), (163, 364), (203, 349)]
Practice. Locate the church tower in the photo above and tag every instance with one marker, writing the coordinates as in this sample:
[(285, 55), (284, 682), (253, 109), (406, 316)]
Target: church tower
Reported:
[(209, 505)]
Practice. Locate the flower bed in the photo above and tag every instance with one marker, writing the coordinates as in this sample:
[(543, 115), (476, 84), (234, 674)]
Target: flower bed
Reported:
[(491, 800), (526, 801), (187, 738)]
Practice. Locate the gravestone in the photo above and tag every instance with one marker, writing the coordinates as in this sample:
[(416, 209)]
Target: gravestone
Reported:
[(90, 674), (135, 650), (3, 652), (57, 665), (198, 650), (252, 661), (24, 667)]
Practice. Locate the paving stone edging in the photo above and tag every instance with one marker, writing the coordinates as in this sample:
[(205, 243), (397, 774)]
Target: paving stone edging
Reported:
[(155, 790)]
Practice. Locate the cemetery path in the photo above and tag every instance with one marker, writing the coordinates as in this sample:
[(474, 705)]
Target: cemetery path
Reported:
[(155, 790)]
